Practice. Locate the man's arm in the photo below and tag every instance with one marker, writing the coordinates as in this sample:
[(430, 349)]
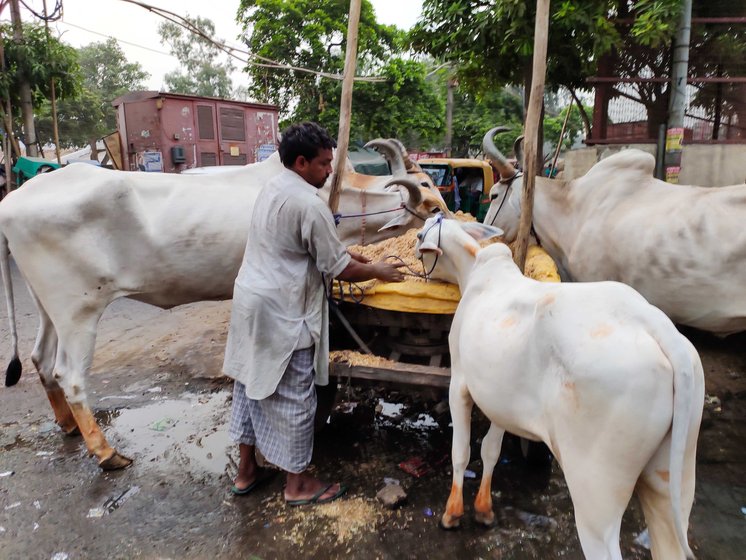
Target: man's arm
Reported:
[(358, 271)]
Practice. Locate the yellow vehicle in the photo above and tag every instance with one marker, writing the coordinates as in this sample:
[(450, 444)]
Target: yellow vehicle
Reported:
[(464, 183)]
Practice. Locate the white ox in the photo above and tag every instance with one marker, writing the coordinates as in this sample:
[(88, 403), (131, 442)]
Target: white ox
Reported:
[(591, 369), (682, 247), (84, 236)]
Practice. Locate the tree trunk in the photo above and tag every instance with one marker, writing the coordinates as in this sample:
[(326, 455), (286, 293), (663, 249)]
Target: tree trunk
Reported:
[(27, 105)]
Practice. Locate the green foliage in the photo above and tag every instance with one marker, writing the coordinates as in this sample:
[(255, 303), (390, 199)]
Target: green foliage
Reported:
[(37, 60), (201, 73), (312, 34), (492, 40), (553, 126), (106, 74)]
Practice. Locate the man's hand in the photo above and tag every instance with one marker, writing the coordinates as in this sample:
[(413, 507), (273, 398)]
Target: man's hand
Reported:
[(358, 257), (388, 272), (359, 271)]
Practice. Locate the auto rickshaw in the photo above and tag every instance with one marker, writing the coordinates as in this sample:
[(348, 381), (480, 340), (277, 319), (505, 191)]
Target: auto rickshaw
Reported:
[(464, 183)]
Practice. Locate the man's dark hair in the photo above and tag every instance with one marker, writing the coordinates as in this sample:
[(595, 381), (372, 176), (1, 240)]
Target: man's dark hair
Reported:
[(304, 139)]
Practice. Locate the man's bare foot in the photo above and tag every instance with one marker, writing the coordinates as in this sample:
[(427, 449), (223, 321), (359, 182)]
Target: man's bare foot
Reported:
[(302, 489), (247, 468)]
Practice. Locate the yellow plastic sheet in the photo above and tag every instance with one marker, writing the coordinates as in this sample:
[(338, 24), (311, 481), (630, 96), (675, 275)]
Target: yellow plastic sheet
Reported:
[(435, 297)]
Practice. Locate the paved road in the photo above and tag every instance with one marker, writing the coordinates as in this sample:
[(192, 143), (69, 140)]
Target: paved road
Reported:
[(157, 392)]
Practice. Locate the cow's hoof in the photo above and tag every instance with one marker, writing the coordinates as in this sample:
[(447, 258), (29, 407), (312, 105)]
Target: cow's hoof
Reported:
[(115, 462), (448, 522), (73, 432), (485, 518)]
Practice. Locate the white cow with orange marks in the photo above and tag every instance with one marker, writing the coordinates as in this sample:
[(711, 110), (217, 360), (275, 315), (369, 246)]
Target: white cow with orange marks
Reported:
[(85, 236), (591, 369)]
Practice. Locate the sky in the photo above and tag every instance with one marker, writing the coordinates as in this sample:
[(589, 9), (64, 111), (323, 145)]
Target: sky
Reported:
[(136, 29)]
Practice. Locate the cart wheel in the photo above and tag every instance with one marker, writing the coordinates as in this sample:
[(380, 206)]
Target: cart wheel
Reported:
[(535, 453), (44, 169)]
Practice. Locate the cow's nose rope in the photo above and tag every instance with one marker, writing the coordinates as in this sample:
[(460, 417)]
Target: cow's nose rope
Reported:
[(338, 217), (509, 182)]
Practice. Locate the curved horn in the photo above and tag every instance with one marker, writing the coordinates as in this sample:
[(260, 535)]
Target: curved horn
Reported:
[(493, 154), (518, 149), (412, 166), (391, 153), (409, 183)]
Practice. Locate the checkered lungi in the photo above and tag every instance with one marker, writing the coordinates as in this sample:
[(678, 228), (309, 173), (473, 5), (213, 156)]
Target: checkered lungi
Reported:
[(281, 425)]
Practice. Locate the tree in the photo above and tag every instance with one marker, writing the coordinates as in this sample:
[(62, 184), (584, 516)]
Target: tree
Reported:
[(37, 59), (106, 74), (311, 34), (491, 41), (201, 73)]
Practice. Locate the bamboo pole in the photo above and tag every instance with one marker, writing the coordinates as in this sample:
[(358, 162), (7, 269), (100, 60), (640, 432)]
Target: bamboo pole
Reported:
[(343, 136), (533, 121), (559, 142)]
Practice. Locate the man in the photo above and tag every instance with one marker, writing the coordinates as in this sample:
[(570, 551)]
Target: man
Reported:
[(278, 335)]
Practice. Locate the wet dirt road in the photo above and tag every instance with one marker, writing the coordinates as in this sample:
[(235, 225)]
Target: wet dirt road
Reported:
[(157, 392)]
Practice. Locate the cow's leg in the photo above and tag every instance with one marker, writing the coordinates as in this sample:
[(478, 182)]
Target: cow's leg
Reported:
[(460, 403), (491, 445), (44, 356), (653, 491), (600, 492), (74, 358)]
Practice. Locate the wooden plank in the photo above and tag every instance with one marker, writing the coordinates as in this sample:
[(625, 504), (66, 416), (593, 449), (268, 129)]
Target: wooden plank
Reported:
[(533, 121), (408, 374), (345, 110)]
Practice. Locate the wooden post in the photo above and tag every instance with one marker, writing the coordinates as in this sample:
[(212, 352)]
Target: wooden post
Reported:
[(533, 121), (345, 110)]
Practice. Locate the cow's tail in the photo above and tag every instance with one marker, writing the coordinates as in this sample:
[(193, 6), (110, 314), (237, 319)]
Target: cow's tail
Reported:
[(686, 367), (13, 373)]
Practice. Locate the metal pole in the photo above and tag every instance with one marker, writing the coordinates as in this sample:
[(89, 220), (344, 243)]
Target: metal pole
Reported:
[(677, 107), (343, 136), (533, 121), (53, 100)]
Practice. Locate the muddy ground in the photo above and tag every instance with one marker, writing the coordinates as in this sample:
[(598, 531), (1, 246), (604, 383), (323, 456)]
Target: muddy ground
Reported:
[(157, 391)]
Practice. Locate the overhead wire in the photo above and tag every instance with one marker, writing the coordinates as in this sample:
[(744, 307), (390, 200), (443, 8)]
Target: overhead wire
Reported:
[(232, 51), (54, 16)]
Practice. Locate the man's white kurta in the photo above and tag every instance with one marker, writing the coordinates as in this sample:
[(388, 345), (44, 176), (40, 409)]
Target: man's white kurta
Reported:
[(279, 303)]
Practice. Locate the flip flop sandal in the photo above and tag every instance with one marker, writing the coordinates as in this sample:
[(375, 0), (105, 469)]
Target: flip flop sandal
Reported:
[(263, 476), (316, 498)]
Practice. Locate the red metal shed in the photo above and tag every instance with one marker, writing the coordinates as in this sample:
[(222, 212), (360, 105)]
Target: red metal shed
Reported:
[(170, 132)]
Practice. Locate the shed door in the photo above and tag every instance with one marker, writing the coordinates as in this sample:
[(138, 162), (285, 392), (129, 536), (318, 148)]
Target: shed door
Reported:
[(232, 131), (207, 136)]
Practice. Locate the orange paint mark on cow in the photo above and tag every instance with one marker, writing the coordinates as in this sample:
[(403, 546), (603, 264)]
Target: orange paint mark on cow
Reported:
[(664, 475), (430, 201), (94, 437), (360, 181), (602, 331), (62, 413), (548, 299), (483, 502), (508, 322), (455, 505)]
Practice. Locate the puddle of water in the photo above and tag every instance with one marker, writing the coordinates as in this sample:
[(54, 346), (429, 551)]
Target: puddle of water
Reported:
[(395, 412), (190, 431)]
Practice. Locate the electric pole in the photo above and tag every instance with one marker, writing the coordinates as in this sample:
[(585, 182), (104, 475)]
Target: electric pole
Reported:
[(677, 106)]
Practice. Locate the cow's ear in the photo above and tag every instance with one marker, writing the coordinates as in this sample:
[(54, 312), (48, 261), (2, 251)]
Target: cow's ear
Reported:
[(481, 232), (398, 221)]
